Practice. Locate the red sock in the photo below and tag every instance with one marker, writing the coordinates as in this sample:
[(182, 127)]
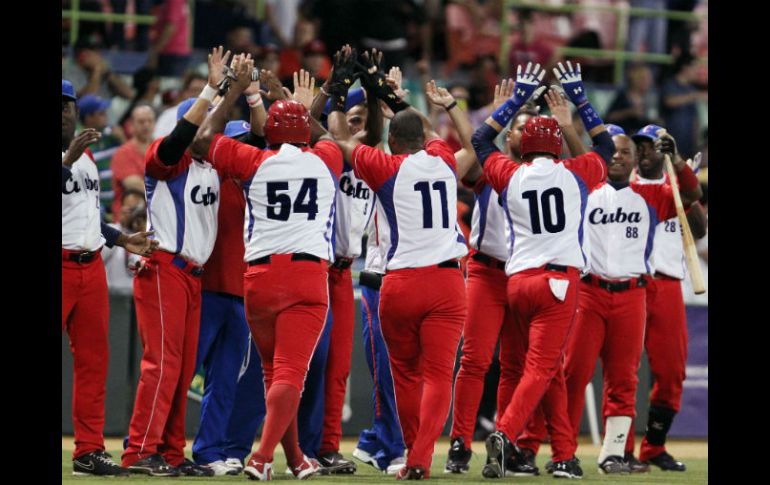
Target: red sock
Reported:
[(282, 402), (290, 444)]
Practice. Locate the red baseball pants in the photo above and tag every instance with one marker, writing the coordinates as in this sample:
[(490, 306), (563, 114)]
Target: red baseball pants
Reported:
[(85, 314), (422, 311), (487, 314), (168, 307), (338, 360), (609, 325), (543, 323), (666, 343), (286, 305)]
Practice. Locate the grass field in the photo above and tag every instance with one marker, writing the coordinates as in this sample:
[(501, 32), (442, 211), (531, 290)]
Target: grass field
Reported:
[(693, 453)]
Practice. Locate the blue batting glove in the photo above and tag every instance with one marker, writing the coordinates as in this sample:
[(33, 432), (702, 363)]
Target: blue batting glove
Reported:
[(572, 82), (526, 83)]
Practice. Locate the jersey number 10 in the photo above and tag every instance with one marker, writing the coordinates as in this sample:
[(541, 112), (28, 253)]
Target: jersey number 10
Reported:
[(280, 204), (546, 197)]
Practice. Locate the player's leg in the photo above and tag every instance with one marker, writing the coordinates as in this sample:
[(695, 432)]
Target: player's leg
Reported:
[(88, 333), (400, 311), (666, 343), (487, 304), (310, 415), (563, 439), (206, 447), (174, 441), (444, 293), (161, 302), (342, 307), (248, 408), (621, 354)]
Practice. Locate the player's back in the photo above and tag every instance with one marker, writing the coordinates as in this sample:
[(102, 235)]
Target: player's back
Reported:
[(290, 205)]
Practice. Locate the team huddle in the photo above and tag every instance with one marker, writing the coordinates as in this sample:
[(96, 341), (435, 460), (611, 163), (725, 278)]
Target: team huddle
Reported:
[(245, 269)]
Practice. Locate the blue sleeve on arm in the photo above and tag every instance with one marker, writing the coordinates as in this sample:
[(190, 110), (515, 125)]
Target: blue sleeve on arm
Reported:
[(483, 141), (590, 117), (604, 146), (110, 234), (506, 112)]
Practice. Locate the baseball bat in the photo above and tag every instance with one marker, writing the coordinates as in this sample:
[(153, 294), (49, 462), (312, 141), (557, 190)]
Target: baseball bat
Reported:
[(691, 255)]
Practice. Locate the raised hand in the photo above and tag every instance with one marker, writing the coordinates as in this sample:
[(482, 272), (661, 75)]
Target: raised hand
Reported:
[(304, 87), (503, 91), (559, 107), (527, 82), (78, 145), (438, 95), (217, 63), (275, 89), (344, 74), (139, 243), (572, 82), (666, 144), (242, 73), (394, 79)]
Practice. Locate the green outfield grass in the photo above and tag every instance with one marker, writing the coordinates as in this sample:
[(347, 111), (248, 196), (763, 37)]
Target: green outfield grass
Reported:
[(697, 472)]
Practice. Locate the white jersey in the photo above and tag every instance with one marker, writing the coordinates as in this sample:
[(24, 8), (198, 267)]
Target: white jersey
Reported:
[(668, 252), (182, 205), (375, 261), (290, 195), (416, 204), (354, 206), (489, 229), (80, 214), (544, 201)]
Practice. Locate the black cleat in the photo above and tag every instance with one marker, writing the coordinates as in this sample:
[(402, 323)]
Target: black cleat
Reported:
[(458, 457), (568, 469), (499, 448), (635, 465), (666, 462), (412, 473), (521, 463), (97, 463), (549, 466), (188, 468), (614, 465), (155, 466), (335, 463)]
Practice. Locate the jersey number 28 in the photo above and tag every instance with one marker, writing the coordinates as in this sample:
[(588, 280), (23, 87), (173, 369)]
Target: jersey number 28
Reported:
[(280, 204)]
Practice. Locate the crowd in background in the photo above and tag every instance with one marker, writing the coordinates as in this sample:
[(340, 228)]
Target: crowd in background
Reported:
[(130, 78)]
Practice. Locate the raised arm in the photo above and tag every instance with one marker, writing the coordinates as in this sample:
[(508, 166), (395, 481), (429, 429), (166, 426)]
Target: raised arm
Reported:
[(372, 133), (572, 82), (526, 84), (689, 187), (257, 113), (561, 112), (172, 147), (215, 122), (343, 77), (466, 158)]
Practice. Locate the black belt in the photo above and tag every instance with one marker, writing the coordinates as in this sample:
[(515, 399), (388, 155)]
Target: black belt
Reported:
[(615, 286), (84, 257), (555, 267), (370, 280), (450, 263), (294, 257), (489, 261), (342, 263)]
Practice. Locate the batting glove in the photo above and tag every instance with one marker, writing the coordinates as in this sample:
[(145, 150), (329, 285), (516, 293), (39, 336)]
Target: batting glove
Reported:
[(572, 82)]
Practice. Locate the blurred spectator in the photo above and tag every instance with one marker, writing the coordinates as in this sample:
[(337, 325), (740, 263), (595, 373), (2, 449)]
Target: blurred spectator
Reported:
[(93, 114), (290, 57), (633, 106), (603, 23), (90, 73), (170, 49), (93, 31), (192, 86), (269, 59), (315, 60), (338, 22), (117, 34), (388, 26), (146, 87), (281, 17), (219, 17), (680, 31), (472, 30), (679, 109), (240, 40), (132, 219), (128, 161), (529, 46), (647, 34)]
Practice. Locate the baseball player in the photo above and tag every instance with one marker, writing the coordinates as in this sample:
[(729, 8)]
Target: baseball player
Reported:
[(287, 231), (224, 334), (85, 305), (619, 229), (422, 304), (183, 196), (665, 337), (544, 199), (382, 445)]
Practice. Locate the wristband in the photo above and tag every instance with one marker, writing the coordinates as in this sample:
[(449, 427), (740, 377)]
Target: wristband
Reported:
[(590, 117), (254, 100), (323, 91), (452, 105), (687, 179), (504, 113), (208, 93)]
